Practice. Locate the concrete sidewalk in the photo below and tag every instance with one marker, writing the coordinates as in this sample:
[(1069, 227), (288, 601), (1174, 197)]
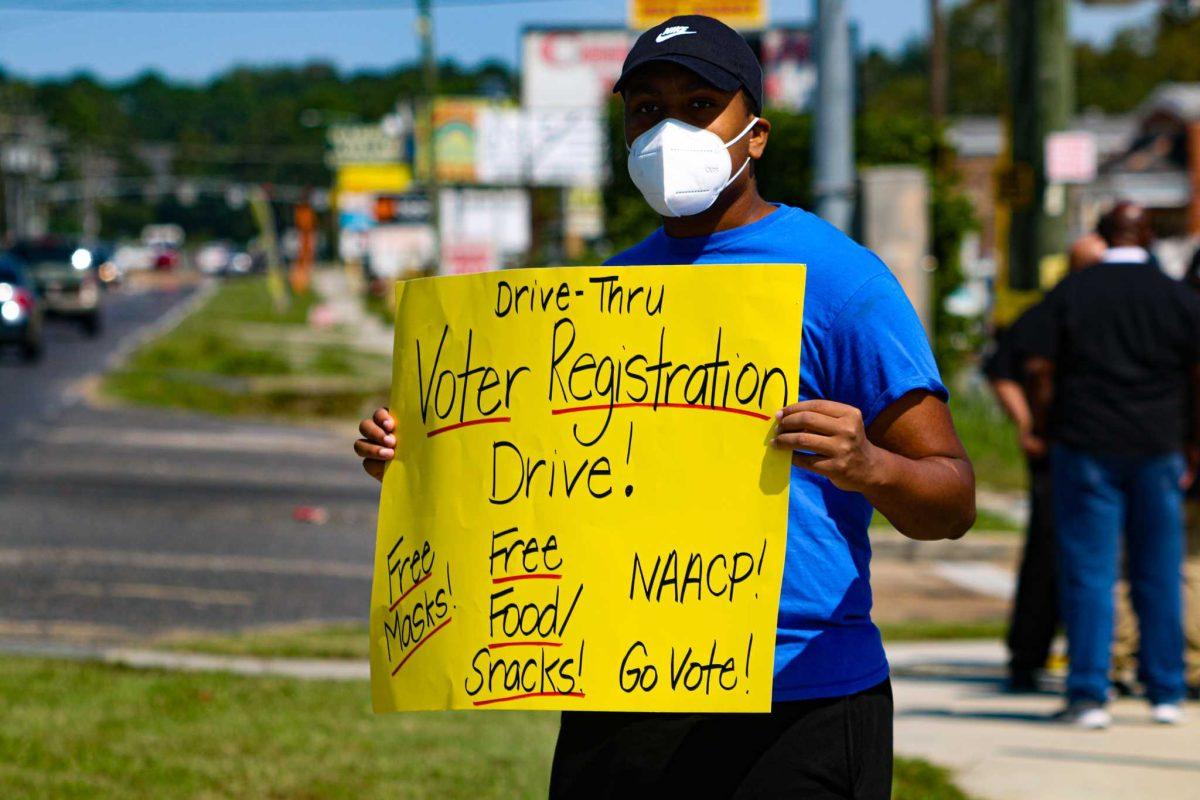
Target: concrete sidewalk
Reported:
[(950, 710)]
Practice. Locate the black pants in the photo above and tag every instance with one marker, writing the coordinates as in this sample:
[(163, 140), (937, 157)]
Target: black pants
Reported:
[(833, 748), (1035, 609)]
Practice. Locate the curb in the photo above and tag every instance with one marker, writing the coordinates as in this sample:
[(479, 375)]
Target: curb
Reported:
[(135, 658)]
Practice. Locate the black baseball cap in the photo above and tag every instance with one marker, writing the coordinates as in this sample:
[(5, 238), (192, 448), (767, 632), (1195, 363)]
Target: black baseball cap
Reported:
[(706, 46)]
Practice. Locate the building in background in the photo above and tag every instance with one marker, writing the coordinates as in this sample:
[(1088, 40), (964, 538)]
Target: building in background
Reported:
[(1160, 170)]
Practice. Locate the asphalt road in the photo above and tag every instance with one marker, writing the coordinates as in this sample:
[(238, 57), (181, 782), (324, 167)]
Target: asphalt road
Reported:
[(119, 524)]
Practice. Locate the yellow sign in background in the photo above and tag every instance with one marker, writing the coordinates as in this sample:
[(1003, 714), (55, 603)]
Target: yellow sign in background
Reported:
[(742, 14), (584, 511)]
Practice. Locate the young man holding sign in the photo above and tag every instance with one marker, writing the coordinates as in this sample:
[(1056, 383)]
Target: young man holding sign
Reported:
[(871, 429)]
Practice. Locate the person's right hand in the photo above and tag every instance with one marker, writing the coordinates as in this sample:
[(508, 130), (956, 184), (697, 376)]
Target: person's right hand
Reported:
[(1033, 445), (378, 445)]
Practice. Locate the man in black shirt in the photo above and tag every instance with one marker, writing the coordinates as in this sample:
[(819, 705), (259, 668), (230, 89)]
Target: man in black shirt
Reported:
[(1035, 616), (1114, 353)]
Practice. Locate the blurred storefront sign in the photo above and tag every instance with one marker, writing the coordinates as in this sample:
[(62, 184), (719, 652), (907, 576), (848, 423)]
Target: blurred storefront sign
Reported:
[(565, 147), (363, 144), (464, 257), (541, 147), (454, 137), (398, 250), (373, 178), (499, 217), (789, 74), (1071, 157), (403, 208), (741, 14), (571, 67)]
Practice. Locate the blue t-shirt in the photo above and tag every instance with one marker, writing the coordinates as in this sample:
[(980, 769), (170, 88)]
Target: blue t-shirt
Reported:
[(862, 345)]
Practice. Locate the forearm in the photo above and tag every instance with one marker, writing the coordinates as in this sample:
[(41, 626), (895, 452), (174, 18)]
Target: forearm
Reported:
[(924, 498), (1040, 389), (1011, 397)]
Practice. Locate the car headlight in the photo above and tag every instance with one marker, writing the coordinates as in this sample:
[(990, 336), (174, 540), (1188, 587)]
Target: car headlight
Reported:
[(81, 259), (6, 292), (10, 310)]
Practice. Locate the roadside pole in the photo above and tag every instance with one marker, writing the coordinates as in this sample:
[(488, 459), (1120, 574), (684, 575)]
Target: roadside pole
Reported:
[(833, 142), (429, 86), (1041, 101)]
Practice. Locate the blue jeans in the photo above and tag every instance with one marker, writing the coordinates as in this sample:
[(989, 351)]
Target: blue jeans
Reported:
[(1096, 497)]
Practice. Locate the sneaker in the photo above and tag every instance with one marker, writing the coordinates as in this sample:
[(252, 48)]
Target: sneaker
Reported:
[(1167, 713), (1086, 714)]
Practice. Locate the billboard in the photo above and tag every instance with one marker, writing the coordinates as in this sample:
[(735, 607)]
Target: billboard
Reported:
[(544, 146), (454, 137), (571, 67), (740, 14), (477, 225)]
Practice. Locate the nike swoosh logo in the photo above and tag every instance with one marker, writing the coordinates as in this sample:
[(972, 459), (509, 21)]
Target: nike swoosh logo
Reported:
[(662, 37)]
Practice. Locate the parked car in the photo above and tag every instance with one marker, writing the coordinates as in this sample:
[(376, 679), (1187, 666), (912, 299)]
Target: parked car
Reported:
[(166, 258), (20, 311), (129, 258), (222, 258), (66, 281)]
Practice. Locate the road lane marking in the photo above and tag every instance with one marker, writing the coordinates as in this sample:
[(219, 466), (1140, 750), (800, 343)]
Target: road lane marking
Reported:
[(88, 556), (154, 591), (234, 441)]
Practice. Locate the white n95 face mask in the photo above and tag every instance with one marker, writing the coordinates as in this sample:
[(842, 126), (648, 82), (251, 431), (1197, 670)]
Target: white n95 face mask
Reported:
[(681, 169)]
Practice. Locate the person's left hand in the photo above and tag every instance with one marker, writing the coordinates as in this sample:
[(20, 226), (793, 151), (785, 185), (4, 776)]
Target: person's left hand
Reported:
[(832, 441), (1192, 453)]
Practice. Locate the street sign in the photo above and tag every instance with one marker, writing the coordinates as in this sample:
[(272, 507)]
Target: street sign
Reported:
[(740, 14), (1071, 157)]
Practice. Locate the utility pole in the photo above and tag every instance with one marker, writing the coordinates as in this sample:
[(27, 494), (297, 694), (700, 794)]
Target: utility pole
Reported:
[(89, 216), (937, 64), (429, 86), (1042, 99), (833, 142), (938, 171)]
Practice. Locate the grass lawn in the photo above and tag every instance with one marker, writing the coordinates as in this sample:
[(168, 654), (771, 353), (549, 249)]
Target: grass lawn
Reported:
[(237, 355), (927, 630), (321, 640), (989, 438), (78, 730)]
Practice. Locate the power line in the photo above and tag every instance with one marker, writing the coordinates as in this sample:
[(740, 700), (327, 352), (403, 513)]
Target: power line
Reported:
[(234, 7)]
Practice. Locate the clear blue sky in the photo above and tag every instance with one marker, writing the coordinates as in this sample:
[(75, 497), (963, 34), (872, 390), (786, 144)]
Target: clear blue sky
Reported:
[(194, 46)]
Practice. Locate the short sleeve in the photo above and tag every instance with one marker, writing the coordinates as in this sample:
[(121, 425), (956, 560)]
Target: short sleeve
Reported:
[(877, 350), (1000, 362)]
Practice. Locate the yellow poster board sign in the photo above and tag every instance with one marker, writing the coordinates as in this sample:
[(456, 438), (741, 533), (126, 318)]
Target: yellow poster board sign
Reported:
[(741, 14), (584, 511)]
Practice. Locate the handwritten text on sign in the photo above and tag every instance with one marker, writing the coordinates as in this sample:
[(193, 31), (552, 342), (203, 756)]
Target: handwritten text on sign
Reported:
[(584, 511)]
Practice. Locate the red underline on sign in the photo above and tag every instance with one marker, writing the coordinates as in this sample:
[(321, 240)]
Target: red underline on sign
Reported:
[(408, 591), (603, 406), (467, 424), (533, 576), (404, 660), (498, 645), (525, 697)]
